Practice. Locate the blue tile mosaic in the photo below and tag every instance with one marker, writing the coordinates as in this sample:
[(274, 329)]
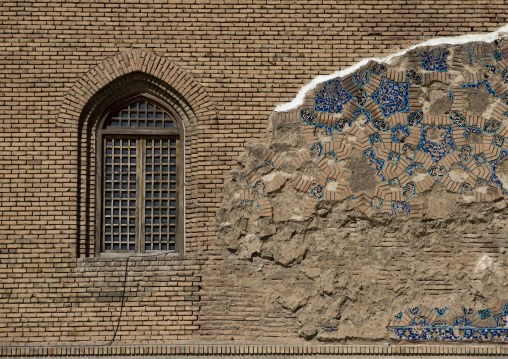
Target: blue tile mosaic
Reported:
[(409, 191), (498, 141), (441, 311), (381, 125), (342, 124), (414, 77), (492, 126), (317, 191), (379, 164), (378, 69), (480, 158), (308, 117), (375, 139), (437, 149), (332, 97), (419, 322), (392, 97), (400, 133), (449, 325), (484, 313), (497, 55), (410, 170), (333, 155), (473, 57), (414, 310), (415, 118), (472, 129), (325, 129), (492, 69), (501, 320), (400, 208), (465, 153), (434, 60), (361, 77), (394, 158), (489, 88), (460, 333), (437, 171), (398, 139), (458, 119), (504, 75), (361, 97), (462, 322), (365, 113), (409, 152), (316, 150)]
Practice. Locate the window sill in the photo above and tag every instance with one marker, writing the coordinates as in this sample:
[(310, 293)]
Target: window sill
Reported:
[(156, 255)]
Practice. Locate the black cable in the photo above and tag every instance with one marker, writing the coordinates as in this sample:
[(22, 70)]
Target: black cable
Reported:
[(121, 307), (123, 296)]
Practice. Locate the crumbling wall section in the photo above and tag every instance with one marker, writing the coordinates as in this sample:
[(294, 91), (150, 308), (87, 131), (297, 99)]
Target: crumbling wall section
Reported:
[(386, 189)]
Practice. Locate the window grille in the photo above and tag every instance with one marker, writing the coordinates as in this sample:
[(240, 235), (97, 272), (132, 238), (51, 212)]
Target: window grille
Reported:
[(140, 179)]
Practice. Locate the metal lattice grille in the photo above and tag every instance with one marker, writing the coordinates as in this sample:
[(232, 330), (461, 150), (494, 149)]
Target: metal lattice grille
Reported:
[(140, 208), (120, 194), (142, 114), (160, 194)]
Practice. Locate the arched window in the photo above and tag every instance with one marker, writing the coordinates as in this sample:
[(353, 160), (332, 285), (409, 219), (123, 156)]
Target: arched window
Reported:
[(139, 181)]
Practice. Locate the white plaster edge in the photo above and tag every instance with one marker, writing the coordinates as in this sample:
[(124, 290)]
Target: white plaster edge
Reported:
[(457, 40)]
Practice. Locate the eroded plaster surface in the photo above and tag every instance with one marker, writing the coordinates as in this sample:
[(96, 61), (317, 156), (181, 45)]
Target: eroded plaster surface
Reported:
[(384, 190)]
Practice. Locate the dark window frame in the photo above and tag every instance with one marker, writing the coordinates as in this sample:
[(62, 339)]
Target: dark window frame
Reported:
[(177, 133)]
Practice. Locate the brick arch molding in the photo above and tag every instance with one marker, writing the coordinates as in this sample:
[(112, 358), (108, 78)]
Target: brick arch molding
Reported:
[(115, 79)]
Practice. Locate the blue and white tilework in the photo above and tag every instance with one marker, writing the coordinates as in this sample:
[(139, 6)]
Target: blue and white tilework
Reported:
[(379, 164), (392, 97), (410, 149), (452, 325), (434, 59), (489, 88), (437, 149), (332, 97), (361, 77)]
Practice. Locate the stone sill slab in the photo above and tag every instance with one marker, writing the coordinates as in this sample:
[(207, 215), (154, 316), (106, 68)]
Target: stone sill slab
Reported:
[(238, 351)]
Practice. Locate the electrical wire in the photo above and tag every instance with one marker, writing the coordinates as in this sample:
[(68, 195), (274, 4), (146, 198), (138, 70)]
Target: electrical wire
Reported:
[(110, 342), (122, 306), (123, 296)]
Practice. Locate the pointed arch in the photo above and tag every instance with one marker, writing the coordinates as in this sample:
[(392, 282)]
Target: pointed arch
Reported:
[(112, 82)]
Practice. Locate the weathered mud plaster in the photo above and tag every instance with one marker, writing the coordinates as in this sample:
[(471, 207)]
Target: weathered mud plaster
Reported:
[(384, 189)]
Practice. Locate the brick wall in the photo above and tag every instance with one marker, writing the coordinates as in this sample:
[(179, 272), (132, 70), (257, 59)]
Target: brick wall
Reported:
[(245, 58)]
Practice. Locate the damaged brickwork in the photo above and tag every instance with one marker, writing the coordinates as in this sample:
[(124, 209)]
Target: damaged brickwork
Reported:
[(384, 189), (224, 66)]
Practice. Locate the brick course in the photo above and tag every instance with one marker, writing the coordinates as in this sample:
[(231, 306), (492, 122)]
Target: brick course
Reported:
[(231, 63)]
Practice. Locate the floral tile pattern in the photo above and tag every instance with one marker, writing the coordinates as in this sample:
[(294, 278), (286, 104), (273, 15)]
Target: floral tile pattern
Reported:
[(456, 324), (392, 97), (332, 97), (434, 60)]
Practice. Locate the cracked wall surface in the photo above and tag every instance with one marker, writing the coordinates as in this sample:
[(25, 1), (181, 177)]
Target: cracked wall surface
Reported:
[(385, 189)]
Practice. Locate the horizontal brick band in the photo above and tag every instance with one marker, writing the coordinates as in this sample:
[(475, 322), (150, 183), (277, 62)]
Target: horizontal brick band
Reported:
[(232, 351)]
